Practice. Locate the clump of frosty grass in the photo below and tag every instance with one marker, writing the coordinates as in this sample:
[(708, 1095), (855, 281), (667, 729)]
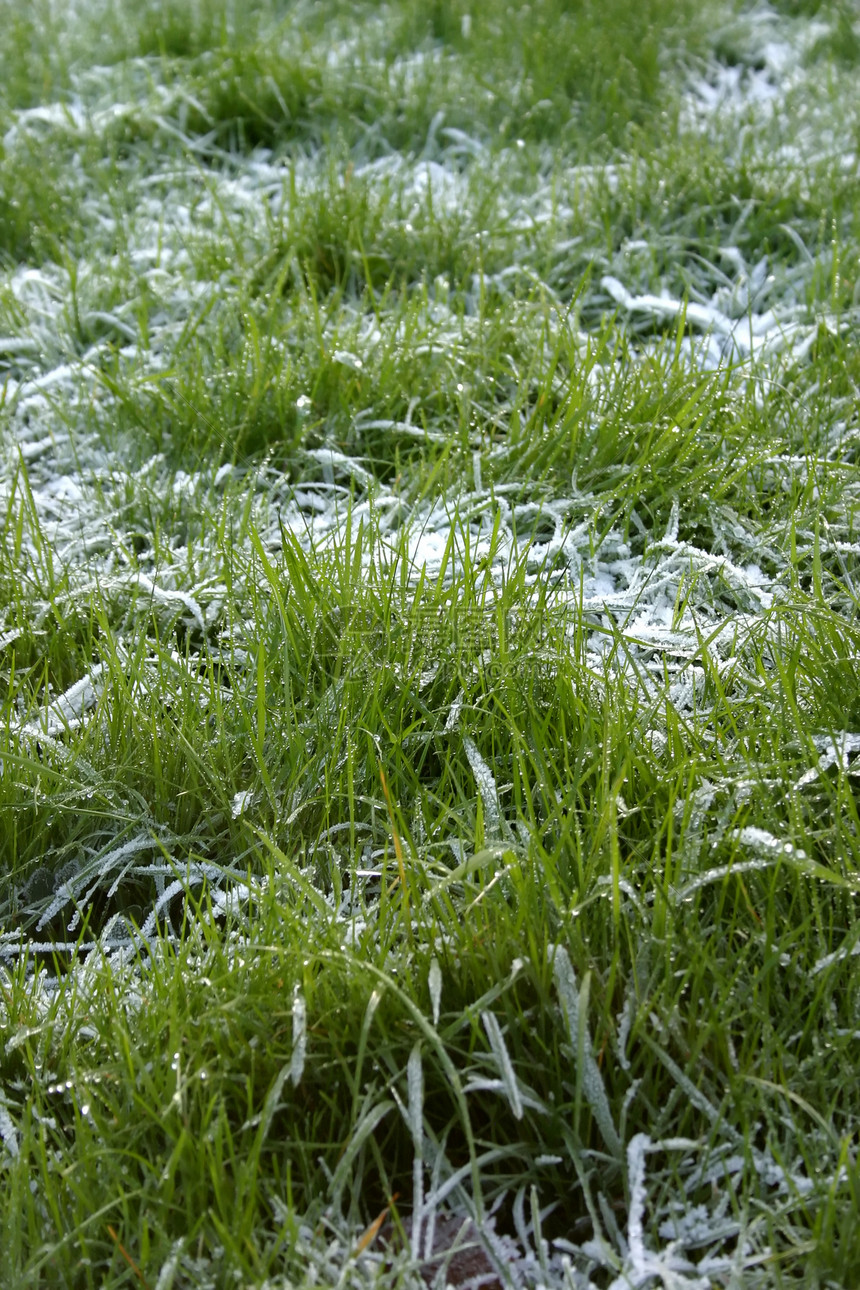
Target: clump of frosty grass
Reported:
[(428, 641)]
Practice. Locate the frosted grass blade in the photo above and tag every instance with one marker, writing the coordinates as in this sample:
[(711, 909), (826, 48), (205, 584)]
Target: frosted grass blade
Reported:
[(571, 1000)]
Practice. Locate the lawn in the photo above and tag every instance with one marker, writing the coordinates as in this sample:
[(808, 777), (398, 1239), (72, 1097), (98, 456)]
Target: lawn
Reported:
[(429, 644)]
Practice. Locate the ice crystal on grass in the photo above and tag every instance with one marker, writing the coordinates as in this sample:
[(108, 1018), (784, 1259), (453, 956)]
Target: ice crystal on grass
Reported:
[(8, 1131), (506, 1070), (574, 1002), (487, 788), (434, 985), (300, 1037), (66, 712)]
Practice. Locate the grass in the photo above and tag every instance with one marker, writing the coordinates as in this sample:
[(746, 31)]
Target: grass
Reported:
[(428, 659)]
